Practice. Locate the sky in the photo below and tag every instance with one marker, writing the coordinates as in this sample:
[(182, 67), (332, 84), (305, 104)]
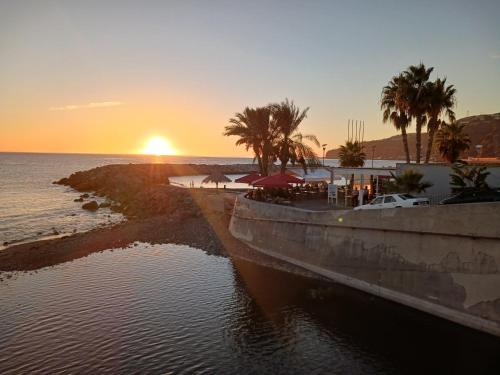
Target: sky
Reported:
[(106, 76)]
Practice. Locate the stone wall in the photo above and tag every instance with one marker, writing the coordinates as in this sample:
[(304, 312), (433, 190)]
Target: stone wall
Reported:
[(444, 260)]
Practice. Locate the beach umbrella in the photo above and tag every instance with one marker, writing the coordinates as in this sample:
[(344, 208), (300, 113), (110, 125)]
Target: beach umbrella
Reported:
[(277, 181), (249, 178), (215, 177)]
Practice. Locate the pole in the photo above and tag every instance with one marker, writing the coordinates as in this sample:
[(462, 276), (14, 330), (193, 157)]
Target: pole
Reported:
[(348, 129), (373, 153), (324, 149), (363, 136)]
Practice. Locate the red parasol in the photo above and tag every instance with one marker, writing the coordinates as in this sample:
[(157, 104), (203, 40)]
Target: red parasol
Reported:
[(249, 178), (277, 181)]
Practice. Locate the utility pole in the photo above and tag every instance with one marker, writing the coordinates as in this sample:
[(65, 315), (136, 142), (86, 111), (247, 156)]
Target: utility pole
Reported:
[(324, 149), (373, 153)]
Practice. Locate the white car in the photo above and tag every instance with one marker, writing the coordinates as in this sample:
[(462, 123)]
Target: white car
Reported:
[(394, 201)]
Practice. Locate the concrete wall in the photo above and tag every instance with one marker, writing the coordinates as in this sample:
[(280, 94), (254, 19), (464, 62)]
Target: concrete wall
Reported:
[(444, 260), (439, 176)]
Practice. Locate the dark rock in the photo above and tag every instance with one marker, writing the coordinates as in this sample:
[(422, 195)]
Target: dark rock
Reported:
[(62, 181), (78, 200), (84, 195), (91, 206), (104, 204)]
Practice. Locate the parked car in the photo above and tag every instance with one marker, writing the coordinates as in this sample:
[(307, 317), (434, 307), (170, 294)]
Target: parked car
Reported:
[(471, 196), (394, 201)]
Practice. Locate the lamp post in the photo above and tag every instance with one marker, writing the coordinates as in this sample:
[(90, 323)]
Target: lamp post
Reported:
[(324, 149), (373, 153)]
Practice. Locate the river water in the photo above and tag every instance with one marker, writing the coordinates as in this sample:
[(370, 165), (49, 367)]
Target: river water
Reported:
[(175, 309)]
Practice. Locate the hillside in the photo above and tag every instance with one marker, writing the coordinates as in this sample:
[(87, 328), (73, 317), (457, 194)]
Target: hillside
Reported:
[(482, 129)]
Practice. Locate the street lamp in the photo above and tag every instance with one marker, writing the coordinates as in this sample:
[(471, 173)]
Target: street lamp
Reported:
[(324, 149)]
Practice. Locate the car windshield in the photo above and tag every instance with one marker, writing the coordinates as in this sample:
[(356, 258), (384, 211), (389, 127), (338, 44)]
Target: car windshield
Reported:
[(406, 196)]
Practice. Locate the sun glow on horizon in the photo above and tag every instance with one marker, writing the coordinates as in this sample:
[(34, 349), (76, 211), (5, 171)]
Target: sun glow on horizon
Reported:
[(158, 146)]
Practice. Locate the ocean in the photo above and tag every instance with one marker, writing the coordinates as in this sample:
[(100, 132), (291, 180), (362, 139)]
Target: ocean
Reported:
[(32, 208)]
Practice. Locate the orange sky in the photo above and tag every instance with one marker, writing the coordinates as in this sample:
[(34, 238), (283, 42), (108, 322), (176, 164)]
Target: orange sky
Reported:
[(104, 77)]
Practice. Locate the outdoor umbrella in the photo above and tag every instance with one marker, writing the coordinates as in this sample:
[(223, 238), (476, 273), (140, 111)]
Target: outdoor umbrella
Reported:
[(249, 178), (277, 181), (215, 177)]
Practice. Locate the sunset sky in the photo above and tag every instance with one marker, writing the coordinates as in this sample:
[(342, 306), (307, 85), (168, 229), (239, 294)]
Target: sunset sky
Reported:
[(106, 76)]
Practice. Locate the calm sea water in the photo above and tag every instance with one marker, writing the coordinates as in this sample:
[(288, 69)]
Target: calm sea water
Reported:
[(174, 309), (31, 207)]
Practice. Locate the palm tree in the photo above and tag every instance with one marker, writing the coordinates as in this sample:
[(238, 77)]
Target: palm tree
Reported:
[(289, 145), (351, 154), (441, 98), (452, 141), (393, 108), (468, 177), (414, 95), (408, 182), (253, 127)]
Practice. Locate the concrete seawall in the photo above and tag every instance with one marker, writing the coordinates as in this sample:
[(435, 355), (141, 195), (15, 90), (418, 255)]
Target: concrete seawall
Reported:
[(444, 260)]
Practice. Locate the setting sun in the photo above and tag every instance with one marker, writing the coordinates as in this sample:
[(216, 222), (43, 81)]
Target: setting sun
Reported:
[(158, 146)]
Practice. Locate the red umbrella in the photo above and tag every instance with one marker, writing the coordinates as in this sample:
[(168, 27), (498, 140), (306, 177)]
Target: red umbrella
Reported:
[(290, 178), (249, 178), (277, 181)]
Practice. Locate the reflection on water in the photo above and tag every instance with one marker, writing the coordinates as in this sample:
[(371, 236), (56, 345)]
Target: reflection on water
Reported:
[(171, 308)]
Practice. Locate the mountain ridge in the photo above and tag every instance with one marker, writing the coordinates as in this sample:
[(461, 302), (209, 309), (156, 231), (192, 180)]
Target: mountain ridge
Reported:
[(482, 130)]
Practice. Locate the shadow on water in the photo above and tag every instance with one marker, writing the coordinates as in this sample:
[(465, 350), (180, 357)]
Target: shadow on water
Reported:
[(352, 332)]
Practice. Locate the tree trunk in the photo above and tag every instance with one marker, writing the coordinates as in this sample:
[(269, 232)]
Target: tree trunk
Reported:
[(430, 142), (432, 127), (418, 138), (265, 161), (405, 144), (256, 151), (283, 165)]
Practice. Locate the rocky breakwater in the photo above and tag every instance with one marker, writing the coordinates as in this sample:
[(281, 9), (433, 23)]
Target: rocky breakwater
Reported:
[(143, 190)]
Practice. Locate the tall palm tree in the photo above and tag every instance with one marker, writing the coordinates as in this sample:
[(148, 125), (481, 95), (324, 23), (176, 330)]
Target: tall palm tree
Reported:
[(452, 141), (441, 98), (415, 99), (253, 127), (393, 106), (290, 144), (351, 154)]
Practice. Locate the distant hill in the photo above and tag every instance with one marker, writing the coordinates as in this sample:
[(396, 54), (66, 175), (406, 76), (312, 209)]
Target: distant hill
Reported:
[(482, 129)]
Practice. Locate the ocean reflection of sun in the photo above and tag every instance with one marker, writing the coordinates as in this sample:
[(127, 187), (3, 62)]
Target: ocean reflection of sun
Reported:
[(158, 146)]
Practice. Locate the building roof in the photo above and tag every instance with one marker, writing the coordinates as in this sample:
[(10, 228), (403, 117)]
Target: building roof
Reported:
[(313, 175), (364, 171)]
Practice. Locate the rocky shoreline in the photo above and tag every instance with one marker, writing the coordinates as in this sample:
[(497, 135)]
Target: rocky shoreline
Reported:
[(143, 190), (156, 211)]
